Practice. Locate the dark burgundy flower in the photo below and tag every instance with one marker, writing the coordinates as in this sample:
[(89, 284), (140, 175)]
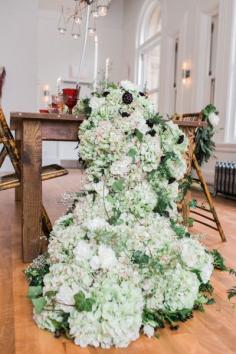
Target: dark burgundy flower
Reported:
[(152, 132), (106, 93), (181, 139), (127, 98), (163, 159), (149, 123), (125, 114), (171, 180)]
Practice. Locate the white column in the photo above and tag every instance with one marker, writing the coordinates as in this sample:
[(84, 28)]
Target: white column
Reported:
[(226, 69)]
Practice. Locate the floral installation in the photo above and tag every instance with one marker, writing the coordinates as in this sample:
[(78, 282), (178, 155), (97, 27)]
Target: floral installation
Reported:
[(120, 264)]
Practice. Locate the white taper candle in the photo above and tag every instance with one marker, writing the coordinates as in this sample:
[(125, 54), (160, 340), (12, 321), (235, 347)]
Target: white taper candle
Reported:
[(107, 69), (95, 74)]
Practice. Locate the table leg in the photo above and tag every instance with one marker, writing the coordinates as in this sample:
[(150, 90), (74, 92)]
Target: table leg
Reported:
[(18, 190), (31, 161)]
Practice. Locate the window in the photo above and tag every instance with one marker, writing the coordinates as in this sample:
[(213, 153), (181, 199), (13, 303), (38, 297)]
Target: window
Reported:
[(176, 62), (212, 57), (149, 50)]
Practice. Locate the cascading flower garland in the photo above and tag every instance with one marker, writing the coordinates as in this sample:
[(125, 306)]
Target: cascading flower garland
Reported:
[(120, 263)]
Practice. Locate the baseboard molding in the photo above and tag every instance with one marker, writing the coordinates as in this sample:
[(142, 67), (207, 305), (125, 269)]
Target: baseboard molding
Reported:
[(71, 164), (226, 148)]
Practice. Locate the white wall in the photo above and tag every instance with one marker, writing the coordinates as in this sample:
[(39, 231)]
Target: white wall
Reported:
[(190, 21), (18, 53)]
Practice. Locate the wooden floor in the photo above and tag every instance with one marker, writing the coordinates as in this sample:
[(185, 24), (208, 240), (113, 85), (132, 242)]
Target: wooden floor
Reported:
[(212, 332)]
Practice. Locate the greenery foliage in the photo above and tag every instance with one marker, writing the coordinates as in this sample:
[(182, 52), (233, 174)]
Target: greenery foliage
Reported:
[(205, 145), (219, 263)]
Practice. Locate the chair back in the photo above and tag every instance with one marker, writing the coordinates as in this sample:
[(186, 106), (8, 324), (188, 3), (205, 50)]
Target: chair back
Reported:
[(9, 143), (189, 117)]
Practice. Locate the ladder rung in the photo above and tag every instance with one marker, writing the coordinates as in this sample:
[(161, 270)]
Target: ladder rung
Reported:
[(196, 180), (201, 222), (203, 208), (204, 216)]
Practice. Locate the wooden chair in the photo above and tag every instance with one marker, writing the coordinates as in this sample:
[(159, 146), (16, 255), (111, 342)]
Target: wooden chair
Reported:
[(14, 180), (192, 163)]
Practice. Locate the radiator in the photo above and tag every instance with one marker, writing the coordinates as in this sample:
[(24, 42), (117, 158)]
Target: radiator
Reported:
[(225, 178)]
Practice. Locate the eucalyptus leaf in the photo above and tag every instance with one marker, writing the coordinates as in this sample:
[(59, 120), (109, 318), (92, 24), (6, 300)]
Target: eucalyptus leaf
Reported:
[(35, 291), (138, 134), (132, 153), (39, 304), (118, 186), (82, 303)]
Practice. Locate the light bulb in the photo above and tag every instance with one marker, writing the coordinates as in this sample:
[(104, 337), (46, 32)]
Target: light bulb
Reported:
[(62, 30), (62, 23), (95, 14), (77, 19), (92, 31), (102, 11), (75, 32), (75, 35)]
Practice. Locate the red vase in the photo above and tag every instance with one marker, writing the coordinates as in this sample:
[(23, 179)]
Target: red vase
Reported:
[(70, 97)]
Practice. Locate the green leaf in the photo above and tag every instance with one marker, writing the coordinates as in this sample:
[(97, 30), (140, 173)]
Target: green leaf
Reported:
[(132, 153), (82, 303), (118, 186), (179, 230), (206, 288), (140, 258), (50, 293), (35, 291), (218, 260), (39, 304), (114, 219), (190, 222), (138, 134), (192, 203), (231, 292), (211, 301), (67, 222)]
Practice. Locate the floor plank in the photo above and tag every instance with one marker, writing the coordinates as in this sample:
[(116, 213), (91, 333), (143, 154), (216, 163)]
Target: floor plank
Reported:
[(212, 332)]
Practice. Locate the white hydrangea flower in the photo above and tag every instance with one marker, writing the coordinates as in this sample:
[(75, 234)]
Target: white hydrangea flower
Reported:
[(137, 121), (82, 251), (96, 102), (95, 224), (107, 257), (65, 297), (214, 119), (151, 153), (148, 330), (195, 257), (95, 262), (116, 320), (182, 289), (46, 320), (121, 167)]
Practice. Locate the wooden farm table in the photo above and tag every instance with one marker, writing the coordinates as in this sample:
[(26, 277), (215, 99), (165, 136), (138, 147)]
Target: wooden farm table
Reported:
[(31, 129)]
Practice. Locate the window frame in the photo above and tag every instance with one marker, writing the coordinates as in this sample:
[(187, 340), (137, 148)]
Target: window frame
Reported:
[(145, 46)]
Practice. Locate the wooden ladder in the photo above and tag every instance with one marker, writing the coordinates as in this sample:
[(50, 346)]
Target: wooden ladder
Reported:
[(189, 122), (201, 180)]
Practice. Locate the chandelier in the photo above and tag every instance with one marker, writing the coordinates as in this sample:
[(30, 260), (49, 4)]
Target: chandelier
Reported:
[(98, 8)]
